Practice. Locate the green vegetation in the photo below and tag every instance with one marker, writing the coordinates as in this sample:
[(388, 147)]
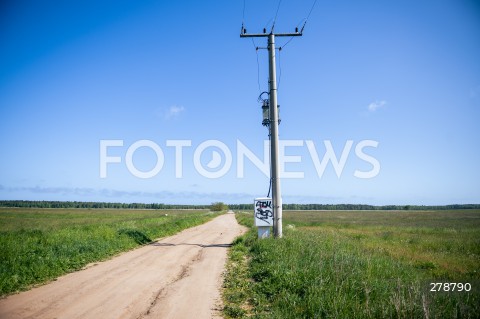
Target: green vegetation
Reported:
[(218, 207), (38, 245), (347, 264)]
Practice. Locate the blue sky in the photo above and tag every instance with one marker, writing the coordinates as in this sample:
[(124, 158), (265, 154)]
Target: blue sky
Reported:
[(405, 75)]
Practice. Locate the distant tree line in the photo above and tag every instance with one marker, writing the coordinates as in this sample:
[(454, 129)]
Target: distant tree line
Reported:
[(218, 206), (60, 204), (359, 207)]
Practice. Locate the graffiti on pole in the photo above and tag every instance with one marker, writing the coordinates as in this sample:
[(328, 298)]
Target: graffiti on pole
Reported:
[(263, 212)]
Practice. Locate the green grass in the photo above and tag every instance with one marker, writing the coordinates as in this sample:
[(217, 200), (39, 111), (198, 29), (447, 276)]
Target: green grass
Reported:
[(38, 245), (356, 265)]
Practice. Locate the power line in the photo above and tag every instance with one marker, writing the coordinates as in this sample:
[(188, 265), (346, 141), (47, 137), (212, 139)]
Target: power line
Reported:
[(308, 16), (276, 13), (266, 24), (304, 20), (291, 38), (270, 186), (243, 15), (258, 66), (313, 6), (283, 46), (279, 67)]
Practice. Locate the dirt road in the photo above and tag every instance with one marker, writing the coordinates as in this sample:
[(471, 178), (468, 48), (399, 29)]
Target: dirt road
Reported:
[(177, 277)]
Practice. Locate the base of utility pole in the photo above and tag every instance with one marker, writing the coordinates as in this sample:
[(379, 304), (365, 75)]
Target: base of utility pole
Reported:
[(278, 211)]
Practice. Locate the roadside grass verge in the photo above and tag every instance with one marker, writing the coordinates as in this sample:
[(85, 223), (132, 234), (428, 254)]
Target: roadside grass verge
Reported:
[(332, 266), (38, 245)]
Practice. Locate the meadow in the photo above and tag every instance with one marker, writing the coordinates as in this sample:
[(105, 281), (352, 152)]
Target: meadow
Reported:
[(38, 245), (357, 264)]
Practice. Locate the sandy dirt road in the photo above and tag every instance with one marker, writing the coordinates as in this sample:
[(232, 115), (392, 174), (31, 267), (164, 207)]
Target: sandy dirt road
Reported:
[(176, 277)]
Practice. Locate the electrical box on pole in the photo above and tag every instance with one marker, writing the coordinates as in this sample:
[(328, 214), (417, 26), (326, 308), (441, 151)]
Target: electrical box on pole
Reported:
[(263, 214)]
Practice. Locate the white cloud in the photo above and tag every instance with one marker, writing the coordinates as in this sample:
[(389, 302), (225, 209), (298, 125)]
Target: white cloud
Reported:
[(174, 111), (372, 107)]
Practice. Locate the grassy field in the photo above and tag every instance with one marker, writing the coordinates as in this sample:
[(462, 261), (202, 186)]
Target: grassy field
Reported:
[(357, 264), (38, 245)]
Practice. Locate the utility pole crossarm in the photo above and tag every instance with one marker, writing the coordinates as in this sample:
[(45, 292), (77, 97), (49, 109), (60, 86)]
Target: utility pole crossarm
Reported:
[(261, 35)]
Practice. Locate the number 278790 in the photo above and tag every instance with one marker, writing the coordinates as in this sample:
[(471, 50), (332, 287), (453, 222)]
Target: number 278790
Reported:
[(450, 286)]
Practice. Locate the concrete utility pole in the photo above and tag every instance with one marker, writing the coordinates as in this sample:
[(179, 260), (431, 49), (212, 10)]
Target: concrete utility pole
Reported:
[(273, 111)]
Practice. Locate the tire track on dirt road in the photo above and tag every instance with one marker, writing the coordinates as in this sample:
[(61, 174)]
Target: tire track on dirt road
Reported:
[(176, 277)]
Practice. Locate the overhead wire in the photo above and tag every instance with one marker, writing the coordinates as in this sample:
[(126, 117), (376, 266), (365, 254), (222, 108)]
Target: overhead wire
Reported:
[(270, 186), (308, 16), (304, 23), (243, 15), (276, 14), (268, 22), (258, 66), (254, 46), (279, 53), (291, 38), (283, 46), (311, 9), (279, 67)]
